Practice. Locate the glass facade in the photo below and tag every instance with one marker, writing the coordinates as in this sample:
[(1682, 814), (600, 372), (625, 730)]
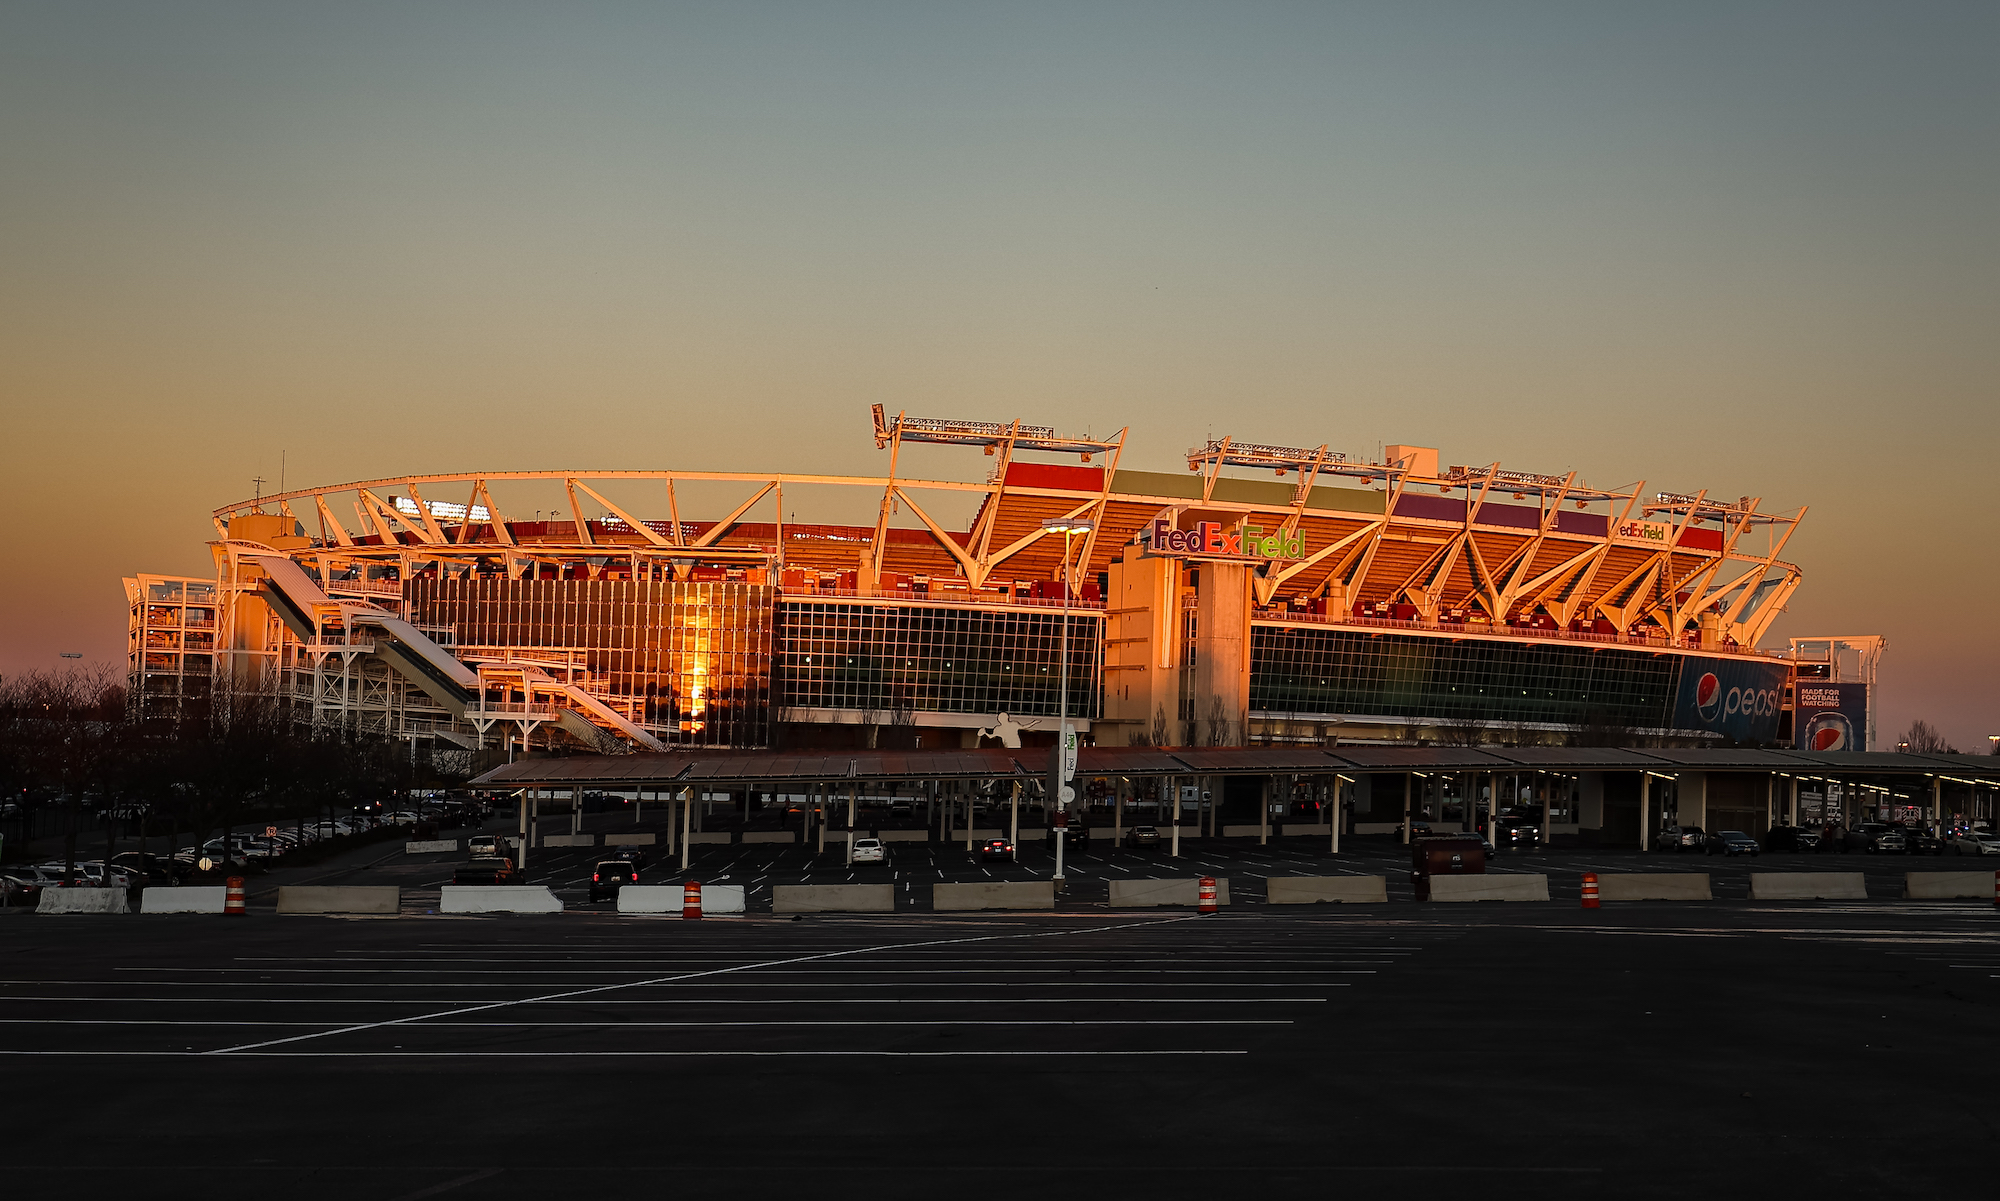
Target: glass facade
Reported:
[(939, 660), (1313, 670), (691, 661)]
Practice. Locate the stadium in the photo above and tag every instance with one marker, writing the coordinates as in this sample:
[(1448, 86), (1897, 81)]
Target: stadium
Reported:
[(1261, 595)]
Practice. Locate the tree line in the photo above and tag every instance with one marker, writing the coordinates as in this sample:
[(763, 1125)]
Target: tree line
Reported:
[(70, 747)]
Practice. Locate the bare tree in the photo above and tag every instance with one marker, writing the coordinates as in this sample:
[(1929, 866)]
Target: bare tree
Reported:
[(1461, 731), (1922, 738)]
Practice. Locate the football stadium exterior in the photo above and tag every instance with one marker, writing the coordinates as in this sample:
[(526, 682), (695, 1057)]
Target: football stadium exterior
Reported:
[(1266, 594)]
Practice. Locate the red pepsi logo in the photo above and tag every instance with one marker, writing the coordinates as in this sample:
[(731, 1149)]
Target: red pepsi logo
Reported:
[(1708, 696)]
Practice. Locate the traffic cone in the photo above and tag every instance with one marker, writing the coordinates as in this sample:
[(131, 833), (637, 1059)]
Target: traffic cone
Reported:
[(1207, 904), (691, 901), (1590, 890), (232, 900)]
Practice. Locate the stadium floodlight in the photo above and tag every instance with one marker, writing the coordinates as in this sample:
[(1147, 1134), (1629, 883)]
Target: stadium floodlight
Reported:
[(1067, 525), (1061, 762)]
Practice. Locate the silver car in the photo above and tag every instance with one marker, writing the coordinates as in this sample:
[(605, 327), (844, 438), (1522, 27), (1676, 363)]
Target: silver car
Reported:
[(1975, 842), (870, 850)]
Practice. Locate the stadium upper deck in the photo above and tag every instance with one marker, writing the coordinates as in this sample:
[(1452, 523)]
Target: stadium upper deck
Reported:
[(1294, 542)]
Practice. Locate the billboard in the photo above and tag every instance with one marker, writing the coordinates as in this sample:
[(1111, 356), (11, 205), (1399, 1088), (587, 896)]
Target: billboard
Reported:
[(1830, 717), (1737, 699)]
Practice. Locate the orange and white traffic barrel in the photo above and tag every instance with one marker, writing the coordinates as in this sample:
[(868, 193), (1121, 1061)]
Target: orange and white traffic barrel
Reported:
[(691, 901), (1590, 890), (1207, 904), (232, 900)]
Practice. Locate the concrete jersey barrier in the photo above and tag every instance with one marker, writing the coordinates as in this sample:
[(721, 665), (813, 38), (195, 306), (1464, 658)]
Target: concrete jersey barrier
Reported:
[(628, 840), (1307, 890), (315, 898), (1653, 886), (1508, 887), (1139, 894), (668, 898), (569, 840), (1808, 886), (904, 835), (994, 894), (696, 838), (190, 898), (1949, 886), (83, 900), (833, 898), (498, 898), (430, 848)]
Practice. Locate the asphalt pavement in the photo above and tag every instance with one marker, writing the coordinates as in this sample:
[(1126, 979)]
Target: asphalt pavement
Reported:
[(1521, 1050)]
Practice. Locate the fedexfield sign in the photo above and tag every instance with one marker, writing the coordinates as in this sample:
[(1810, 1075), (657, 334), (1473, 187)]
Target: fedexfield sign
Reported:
[(1214, 538)]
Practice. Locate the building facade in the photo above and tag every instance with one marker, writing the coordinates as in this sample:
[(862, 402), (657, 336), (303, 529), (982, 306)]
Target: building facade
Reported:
[(1266, 594)]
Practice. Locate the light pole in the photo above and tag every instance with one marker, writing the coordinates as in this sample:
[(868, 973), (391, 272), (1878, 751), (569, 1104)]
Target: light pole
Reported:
[(1062, 764)]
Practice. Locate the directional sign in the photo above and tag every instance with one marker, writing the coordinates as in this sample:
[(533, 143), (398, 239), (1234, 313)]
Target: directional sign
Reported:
[(1068, 755), (1067, 796)]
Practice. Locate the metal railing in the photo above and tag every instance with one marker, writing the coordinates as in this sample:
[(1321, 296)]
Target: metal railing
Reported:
[(1501, 630), (954, 597)]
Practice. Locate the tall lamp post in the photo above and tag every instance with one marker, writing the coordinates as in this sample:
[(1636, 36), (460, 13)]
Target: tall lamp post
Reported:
[(1062, 764)]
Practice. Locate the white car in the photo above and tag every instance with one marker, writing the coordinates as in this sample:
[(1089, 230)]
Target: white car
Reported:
[(870, 850), (1976, 842)]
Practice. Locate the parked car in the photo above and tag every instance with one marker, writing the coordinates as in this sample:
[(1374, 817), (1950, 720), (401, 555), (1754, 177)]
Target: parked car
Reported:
[(483, 846), (1875, 837), (1517, 832), (152, 868), (1733, 842), (1975, 842), (1682, 838), (486, 871), (1418, 830), (996, 848), (1781, 839), (19, 890), (609, 876), (870, 850), (1919, 841), (1142, 836)]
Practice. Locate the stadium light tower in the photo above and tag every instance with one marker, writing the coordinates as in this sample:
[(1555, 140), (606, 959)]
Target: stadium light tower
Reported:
[(1062, 765)]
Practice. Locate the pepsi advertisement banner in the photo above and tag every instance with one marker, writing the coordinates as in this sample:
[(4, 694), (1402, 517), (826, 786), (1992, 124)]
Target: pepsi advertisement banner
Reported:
[(1830, 717), (1737, 699)]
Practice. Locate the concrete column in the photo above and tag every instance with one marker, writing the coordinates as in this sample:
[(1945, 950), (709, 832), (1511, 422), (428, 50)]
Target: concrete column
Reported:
[(1117, 812), (969, 798), (1264, 810), (1542, 793), (1492, 808), (1174, 791), (853, 797), (687, 803), (1409, 781), (1014, 816), (576, 811), (521, 843), (1339, 815), (1792, 804), (1645, 804), (534, 816), (826, 802), (1937, 803)]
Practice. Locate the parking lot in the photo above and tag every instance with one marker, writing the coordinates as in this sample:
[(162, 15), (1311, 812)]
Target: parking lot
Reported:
[(1542, 1051)]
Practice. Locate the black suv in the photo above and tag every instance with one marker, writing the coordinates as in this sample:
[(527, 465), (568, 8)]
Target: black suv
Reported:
[(1919, 841), (609, 876)]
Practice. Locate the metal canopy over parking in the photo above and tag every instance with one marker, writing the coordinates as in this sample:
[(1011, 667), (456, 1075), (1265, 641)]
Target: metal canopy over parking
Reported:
[(722, 767)]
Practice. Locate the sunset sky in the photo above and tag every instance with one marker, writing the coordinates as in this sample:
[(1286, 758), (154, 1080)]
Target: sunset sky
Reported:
[(1745, 247)]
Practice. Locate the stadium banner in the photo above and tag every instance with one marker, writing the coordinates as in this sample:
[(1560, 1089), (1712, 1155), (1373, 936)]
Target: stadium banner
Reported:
[(1738, 699), (1830, 717)]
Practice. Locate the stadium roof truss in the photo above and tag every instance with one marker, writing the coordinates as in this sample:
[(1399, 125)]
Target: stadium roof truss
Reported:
[(1504, 544)]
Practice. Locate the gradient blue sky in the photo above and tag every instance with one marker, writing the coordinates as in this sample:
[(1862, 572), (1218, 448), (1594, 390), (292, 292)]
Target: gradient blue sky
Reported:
[(1747, 247)]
